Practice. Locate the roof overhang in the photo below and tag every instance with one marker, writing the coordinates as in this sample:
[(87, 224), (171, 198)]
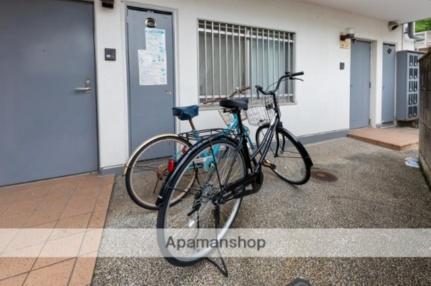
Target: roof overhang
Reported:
[(401, 11)]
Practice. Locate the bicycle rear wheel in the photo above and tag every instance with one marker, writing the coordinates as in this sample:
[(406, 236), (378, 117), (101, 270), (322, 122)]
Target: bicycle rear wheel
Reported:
[(150, 165), (215, 164), (288, 158)]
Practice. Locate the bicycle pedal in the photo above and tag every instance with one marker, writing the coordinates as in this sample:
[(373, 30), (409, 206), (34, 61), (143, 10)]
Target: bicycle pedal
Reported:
[(268, 164)]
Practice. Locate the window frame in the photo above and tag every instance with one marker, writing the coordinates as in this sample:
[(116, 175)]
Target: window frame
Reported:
[(290, 99)]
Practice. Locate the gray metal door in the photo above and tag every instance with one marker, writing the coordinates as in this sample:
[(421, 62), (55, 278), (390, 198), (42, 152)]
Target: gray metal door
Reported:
[(360, 84), (48, 128), (388, 85), (151, 74)]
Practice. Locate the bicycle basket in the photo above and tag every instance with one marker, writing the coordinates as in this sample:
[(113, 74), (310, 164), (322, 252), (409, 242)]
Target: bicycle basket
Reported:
[(261, 111)]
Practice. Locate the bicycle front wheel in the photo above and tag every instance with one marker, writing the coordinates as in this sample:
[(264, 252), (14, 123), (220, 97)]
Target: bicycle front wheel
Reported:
[(150, 165), (287, 157), (215, 164)]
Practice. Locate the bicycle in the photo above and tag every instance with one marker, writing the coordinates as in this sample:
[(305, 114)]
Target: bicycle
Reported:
[(155, 159), (214, 199)]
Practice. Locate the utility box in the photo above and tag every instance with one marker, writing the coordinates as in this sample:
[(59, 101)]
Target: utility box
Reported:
[(425, 116), (407, 102)]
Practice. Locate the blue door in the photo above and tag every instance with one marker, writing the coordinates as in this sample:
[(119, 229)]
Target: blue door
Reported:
[(48, 124), (151, 75), (388, 85), (360, 84)]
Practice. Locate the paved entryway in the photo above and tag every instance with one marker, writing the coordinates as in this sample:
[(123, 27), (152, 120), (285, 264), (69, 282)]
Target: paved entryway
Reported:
[(72, 202), (374, 190), (396, 138)]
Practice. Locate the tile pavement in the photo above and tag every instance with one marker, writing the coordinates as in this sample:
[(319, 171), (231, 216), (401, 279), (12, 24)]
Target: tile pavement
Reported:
[(399, 138), (74, 203)]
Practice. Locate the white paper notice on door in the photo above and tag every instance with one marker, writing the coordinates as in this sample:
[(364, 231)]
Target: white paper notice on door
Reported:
[(152, 61)]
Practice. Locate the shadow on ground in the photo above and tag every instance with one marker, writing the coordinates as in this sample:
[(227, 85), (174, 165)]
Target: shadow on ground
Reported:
[(374, 190)]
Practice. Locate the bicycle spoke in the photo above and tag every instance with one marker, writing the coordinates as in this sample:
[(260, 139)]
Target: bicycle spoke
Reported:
[(189, 191), (155, 186), (216, 168), (229, 171), (195, 167)]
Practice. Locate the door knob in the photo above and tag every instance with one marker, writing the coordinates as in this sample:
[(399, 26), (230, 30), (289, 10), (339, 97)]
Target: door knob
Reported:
[(85, 88), (168, 92)]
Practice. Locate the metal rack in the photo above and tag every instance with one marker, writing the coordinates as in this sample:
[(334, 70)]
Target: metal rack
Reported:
[(407, 104)]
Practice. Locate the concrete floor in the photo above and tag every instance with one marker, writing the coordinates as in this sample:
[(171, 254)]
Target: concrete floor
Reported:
[(374, 190)]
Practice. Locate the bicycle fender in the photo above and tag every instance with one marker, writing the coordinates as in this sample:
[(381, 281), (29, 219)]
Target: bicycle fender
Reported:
[(301, 148)]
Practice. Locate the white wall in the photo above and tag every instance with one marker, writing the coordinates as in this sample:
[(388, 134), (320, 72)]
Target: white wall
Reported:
[(322, 99)]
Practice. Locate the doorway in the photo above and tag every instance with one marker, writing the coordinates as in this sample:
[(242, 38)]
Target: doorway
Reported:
[(360, 84), (388, 83), (48, 118), (151, 74)]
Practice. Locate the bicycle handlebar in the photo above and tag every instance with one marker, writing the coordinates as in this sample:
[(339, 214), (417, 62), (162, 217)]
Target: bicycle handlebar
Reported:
[(237, 91), (294, 74), (291, 76)]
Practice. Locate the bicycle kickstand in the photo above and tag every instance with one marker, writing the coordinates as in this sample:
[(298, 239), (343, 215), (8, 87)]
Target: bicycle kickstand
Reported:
[(222, 268)]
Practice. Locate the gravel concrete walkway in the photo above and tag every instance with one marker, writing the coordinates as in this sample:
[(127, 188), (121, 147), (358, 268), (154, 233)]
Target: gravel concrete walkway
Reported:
[(374, 190)]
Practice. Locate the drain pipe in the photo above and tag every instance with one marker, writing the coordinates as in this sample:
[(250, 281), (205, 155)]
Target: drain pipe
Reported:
[(411, 32)]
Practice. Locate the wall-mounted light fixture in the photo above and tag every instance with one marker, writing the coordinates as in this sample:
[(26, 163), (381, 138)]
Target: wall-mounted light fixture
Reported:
[(150, 22), (108, 3), (349, 34), (346, 38), (393, 25)]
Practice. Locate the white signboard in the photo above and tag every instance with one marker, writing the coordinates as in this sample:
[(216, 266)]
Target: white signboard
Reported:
[(152, 61)]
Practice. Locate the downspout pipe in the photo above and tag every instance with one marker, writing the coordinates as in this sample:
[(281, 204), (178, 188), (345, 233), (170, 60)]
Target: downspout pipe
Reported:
[(411, 32)]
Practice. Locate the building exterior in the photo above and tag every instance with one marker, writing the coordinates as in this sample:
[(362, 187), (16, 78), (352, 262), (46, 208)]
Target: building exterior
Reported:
[(117, 97), (424, 44)]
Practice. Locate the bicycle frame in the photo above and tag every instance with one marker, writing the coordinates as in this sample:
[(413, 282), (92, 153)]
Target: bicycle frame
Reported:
[(255, 176), (238, 189), (266, 142), (274, 125), (208, 156)]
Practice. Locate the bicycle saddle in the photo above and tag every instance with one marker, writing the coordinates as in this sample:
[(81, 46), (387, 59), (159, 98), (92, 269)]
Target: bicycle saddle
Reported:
[(186, 112), (238, 103)]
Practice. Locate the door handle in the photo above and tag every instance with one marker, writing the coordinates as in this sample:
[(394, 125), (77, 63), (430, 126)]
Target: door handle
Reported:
[(168, 92), (85, 88)]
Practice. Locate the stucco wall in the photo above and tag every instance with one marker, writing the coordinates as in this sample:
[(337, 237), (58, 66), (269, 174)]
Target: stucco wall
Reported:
[(322, 99)]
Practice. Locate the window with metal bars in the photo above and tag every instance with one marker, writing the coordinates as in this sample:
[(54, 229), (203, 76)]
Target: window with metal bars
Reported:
[(233, 56)]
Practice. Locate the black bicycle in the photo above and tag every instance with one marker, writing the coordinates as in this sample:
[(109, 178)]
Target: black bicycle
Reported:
[(214, 199)]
